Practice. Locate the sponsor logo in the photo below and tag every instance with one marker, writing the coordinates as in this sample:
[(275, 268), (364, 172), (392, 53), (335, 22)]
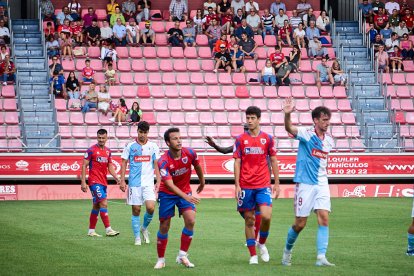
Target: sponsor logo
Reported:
[(118, 166), (184, 159), (163, 172), (22, 165), (263, 141), (144, 158), (57, 167), (228, 165), (101, 159), (246, 142), (359, 191), (399, 167), (253, 150), (5, 167), (8, 189), (180, 172), (319, 154)]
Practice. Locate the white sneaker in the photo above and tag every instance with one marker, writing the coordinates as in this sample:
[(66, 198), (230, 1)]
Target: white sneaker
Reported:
[(4, 83), (254, 260), (184, 261), (112, 233), (94, 234), (287, 258), (160, 264), (111, 119), (119, 124), (145, 235), (264, 253), (322, 261), (137, 241)]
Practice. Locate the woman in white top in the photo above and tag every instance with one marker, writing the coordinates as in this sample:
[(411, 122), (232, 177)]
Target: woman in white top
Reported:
[(268, 73), (322, 22), (75, 9), (103, 100), (199, 21), (299, 35)]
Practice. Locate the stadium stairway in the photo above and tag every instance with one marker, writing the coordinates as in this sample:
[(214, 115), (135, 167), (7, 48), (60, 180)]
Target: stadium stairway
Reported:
[(37, 112), (365, 95)]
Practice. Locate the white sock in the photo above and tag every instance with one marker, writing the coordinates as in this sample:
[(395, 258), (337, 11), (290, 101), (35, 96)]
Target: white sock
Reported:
[(161, 260), (182, 253), (108, 229), (321, 256), (91, 231)]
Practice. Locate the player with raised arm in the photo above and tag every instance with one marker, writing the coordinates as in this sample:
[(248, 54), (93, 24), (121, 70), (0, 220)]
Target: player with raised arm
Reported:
[(98, 159), (142, 156), (410, 249), (253, 181), (312, 188), (175, 190)]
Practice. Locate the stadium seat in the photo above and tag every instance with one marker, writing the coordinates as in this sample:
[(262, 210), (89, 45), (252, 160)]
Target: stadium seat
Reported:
[(193, 65), (261, 54), (305, 66), (256, 92), (295, 78), (386, 78), (161, 40), (68, 65), (270, 92), (284, 145), (126, 78), (145, 104), (223, 132), (236, 130), (201, 104), (242, 92), (174, 104), (206, 118), (154, 78), (220, 118), (352, 131), (312, 92), (182, 78), (177, 52), (244, 104), (250, 65), (62, 118), (259, 40), (60, 104), (395, 104), (405, 131), (302, 105), (8, 91), (228, 91), (124, 65), (398, 78), (195, 132), (78, 132), (138, 65), (180, 65), (76, 118), (201, 40), (338, 132), (149, 52), (163, 52), (270, 41), (157, 26), (100, 78), (152, 65), (326, 92), (143, 91), (214, 91), (135, 52), (114, 91), (207, 65), (197, 78), (210, 131), (211, 78), (178, 118), (284, 92), (204, 52), (407, 104), (157, 91), (191, 52), (122, 52), (410, 78), (342, 145), (305, 118), (331, 104), (217, 104), (409, 117), (200, 92), (231, 105), (275, 105), (348, 118), (91, 118), (339, 92), (344, 105), (261, 103), (237, 78), (186, 91), (128, 91), (191, 118), (336, 118), (149, 117), (65, 131), (402, 92), (399, 118), (160, 104), (166, 65), (163, 118), (280, 133), (172, 92), (391, 91), (308, 79)]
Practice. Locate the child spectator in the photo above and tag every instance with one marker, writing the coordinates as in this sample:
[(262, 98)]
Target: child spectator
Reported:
[(120, 113), (103, 100), (72, 86), (66, 46), (382, 59), (268, 73), (52, 47), (108, 54), (57, 85), (110, 75), (88, 73), (77, 33), (3, 52), (50, 30), (396, 59)]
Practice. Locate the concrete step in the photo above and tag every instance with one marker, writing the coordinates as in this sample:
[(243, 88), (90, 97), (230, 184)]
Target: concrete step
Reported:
[(383, 145), (371, 103), (29, 50), (380, 131), (39, 145), (29, 64), (33, 77), (363, 77), (375, 117), (367, 90), (38, 117), (36, 104), (347, 23), (347, 29)]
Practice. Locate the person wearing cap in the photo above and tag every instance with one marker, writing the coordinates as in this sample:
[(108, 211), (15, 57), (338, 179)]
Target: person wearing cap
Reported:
[(143, 10), (133, 34), (189, 34), (222, 40), (175, 35), (148, 34), (129, 9), (119, 33), (93, 34), (316, 49), (223, 60)]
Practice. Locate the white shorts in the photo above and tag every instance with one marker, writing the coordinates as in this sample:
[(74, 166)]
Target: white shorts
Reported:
[(311, 197), (138, 195)]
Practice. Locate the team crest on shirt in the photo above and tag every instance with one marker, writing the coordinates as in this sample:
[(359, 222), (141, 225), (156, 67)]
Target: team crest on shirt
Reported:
[(163, 172), (246, 142), (184, 159), (263, 141)]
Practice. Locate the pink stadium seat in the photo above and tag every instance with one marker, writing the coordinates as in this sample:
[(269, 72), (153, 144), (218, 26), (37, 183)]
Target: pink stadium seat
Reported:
[(138, 65), (344, 105), (60, 104), (409, 117), (405, 131), (191, 118), (11, 118), (261, 53), (275, 105), (135, 52), (237, 78), (65, 131), (339, 92), (331, 104), (284, 145), (12, 131), (163, 52), (124, 65), (66, 145), (295, 78), (391, 91), (298, 92), (407, 104), (402, 91), (169, 25), (128, 91), (157, 91), (398, 78), (100, 78), (284, 92), (158, 26), (408, 66), (172, 92), (331, 52), (195, 132), (177, 52), (280, 132), (342, 145), (206, 118), (228, 92), (236, 131), (223, 132), (250, 76), (277, 118), (183, 78), (211, 78), (386, 78), (174, 104), (213, 91), (305, 118), (207, 65), (338, 132), (197, 78), (101, 14), (62, 118), (352, 131), (305, 66), (270, 92), (166, 65), (210, 131), (191, 52), (161, 40), (261, 103), (231, 105), (270, 40), (91, 118), (160, 104), (115, 91), (242, 92), (200, 92), (308, 79), (122, 132), (145, 104), (180, 65), (302, 105), (193, 65), (259, 40), (126, 78), (312, 92), (79, 131), (395, 104), (149, 117), (143, 91), (8, 91), (410, 78), (76, 118), (348, 118), (217, 104), (91, 131), (336, 118), (122, 52), (250, 65), (204, 52), (260, 64), (154, 78), (256, 92), (326, 92), (220, 118), (149, 52), (201, 40), (202, 104), (304, 53), (68, 65), (244, 104), (152, 65), (163, 118), (186, 91), (178, 118)]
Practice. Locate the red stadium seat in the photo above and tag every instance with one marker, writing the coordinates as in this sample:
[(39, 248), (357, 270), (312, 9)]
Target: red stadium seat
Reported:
[(145, 104), (128, 91), (11, 118), (399, 117), (76, 118), (79, 132), (115, 91), (308, 79), (251, 65), (62, 118), (69, 65), (261, 53), (336, 118), (101, 14), (143, 91), (270, 40), (284, 145), (395, 104), (60, 104), (386, 78), (305, 66), (352, 131), (210, 131), (195, 132), (259, 40), (342, 145), (65, 131), (298, 92), (152, 65), (171, 92), (409, 117), (242, 92), (157, 26)]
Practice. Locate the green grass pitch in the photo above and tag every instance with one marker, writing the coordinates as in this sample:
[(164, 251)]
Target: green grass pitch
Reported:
[(368, 237)]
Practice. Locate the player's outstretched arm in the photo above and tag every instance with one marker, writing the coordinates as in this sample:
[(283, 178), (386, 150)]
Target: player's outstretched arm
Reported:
[(171, 186), (122, 183), (200, 175), (288, 107), (85, 164), (209, 140), (237, 164), (113, 173), (275, 169)]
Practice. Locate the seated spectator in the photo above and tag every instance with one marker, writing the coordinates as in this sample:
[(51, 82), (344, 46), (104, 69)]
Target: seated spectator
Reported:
[(308, 17), (312, 31), (52, 46), (148, 34), (47, 10), (73, 86), (89, 17), (175, 35), (189, 34), (268, 73), (404, 6), (302, 7), (143, 10), (178, 10), (386, 32), (57, 85), (222, 40), (91, 99), (209, 5), (129, 9), (237, 59), (283, 72), (316, 49), (50, 29), (248, 46), (394, 19), (251, 4), (93, 34), (366, 10), (299, 36), (377, 42), (391, 5), (106, 32), (8, 70), (77, 33), (253, 20), (276, 6), (376, 5), (3, 52), (380, 19), (119, 33), (55, 66), (295, 58), (280, 19), (88, 74), (396, 59), (65, 43), (103, 100), (268, 23), (223, 7), (117, 15), (110, 9), (213, 33), (209, 17), (64, 14), (65, 28), (244, 28), (133, 33), (110, 75), (74, 9), (284, 34), (276, 57), (135, 114), (400, 30), (237, 19), (372, 32), (338, 74), (199, 21), (406, 47), (223, 60), (323, 73), (323, 22), (408, 18), (4, 33), (233, 41), (108, 54), (120, 113), (295, 19), (227, 20), (391, 42)]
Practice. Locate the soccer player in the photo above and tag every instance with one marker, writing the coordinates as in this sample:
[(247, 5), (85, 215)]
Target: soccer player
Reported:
[(312, 189), (252, 181), (142, 156), (410, 249), (98, 159), (175, 190)]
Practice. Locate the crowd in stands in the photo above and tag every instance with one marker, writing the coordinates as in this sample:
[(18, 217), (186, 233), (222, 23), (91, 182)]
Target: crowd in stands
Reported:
[(7, 68)]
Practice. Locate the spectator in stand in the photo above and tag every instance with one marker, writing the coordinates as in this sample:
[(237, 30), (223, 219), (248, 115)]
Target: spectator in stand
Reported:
[(129, 9), (64, 14), (237, 5), (3, 52), (227, 20), (119, 33), (199, 21), (3, 15), (237, 19), (77, 34), (88, 74), (237, 59), (73, 86), (268, 23), (233, 41), (276, 6), (66, 45), (312, 31), (223, 60), (189, 34), (178, 10), (133, 33), (103, 100), (213, 33), (110, 9), (120, 113), (209, 4), (284, 35), (295, 59), (283, 72), (323, 22), (408, 18), (294, 20), (209, 17), (280, 19), (268, 73), (110, 75), (91, 99), (223, 7), (299, 36), (93, 34), (108, 54), (400, 30), (391, 5), (386, 32), (308, 17), (135, 114), (394, 19), (382, 60), (372, 32), (316, 49), (148, 34), (221, 41), (47, 10), (248, 46), (303, 7), (117, 15), (276, 57), (406, 46), (380, 19), (57, 85), (89, 17), (323, 73), (75, 9), (338, 74), (65, 28), (366, 10), (143, 10), (175, 35), (376, 5), (396, 59), (377, 42), (50, 30), (404, 6), (244, 28), (55, 66), (253, 20), (8, 70), (251, 4), (106, 32), (391, 42), (52, 46)]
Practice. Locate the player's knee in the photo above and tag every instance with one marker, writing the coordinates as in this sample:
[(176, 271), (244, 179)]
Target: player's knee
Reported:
[(249, 221), (150, 210), (136, 210)]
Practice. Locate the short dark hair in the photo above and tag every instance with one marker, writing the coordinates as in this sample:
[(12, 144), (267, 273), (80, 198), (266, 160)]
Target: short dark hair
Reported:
[(254, 110), (87, 60), (144, 126), (318, 111), (56, 72), (102, 131), (168, 131), (277, 47)]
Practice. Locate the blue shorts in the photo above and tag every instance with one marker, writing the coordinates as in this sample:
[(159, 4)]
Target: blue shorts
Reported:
[(324, 79), (87, 79), (250, 198), (98, 192), (189, 40), (167, 203)]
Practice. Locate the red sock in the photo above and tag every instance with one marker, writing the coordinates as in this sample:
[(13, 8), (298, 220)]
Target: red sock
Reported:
[(186, 238), (251, 245), (162, 241), (257, 222), (93, 219), (105, 217)]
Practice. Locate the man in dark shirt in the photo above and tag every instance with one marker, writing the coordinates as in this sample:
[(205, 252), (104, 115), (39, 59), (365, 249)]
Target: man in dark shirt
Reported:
[(93, 34), (175, 35), (57, 85), (223, 60), (244, 28), (237, 19), (143, 10), (248, 46), (55, 66)]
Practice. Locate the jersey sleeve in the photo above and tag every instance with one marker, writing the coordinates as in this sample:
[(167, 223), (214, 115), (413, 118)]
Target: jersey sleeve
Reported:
[(194, 157), (156, 154), (125, 152), (164, 171), (237, 151), (88, 154), (109, 157), (272, 147), (303, 134)]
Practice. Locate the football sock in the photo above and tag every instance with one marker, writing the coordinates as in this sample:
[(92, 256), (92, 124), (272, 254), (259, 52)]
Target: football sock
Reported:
[(322, 240), (186, 237), (93, 219), (105, 217), (147, 220), (257, 222), (136, 225), (410, 242), (251, 245), (162, 241), (291, 238), (263, 237)]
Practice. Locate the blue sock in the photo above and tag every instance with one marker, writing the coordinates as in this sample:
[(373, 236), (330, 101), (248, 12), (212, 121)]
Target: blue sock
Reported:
[(147, 220), (322, 239), (291, 238), (410, 242), (136, 225)]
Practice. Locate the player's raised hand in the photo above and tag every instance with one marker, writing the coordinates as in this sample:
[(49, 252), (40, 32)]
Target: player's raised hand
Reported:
[(288, 105), (122, 185), (192, 199), (276, 191), (201, 187), (237, 193), (84, 187), (209, 140)]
